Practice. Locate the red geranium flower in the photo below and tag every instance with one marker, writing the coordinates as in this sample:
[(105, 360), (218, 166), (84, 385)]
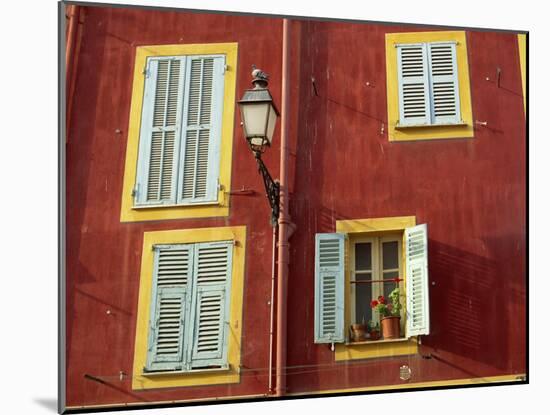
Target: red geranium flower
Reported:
[(381, 300), (373, 303)]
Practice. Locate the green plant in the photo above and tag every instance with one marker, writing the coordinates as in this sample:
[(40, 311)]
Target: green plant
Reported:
[(373, 326), (385, 309)]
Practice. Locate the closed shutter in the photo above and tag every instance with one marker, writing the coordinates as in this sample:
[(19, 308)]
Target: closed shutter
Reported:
[(329, 288), (210, 314), (414, 95), (202, 129), (160, 131), (444, 83), (416, 256), (171, 285)]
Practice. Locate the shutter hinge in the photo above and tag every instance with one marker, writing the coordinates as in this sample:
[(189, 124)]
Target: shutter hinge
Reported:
[(145, 72), (225, 68), (135, 190)]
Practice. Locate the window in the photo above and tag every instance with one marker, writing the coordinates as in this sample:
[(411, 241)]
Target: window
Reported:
[(375, 270), (180, 130), (189, 319), (428, 86), (187, 328), (178, 158), (373, 249)]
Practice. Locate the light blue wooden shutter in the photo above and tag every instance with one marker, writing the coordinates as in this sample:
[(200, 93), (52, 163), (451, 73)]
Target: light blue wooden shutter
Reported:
[(202, 129), (329, 288), (160, 131), (414, 96), (444, 83), (170, 304), (210, 310), (416, 256)]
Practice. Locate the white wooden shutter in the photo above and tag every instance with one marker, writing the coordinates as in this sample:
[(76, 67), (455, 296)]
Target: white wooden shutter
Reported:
[(202, 129), (160, 131), (210, 312), (416, 256), (414, 96), (444, 83), (170, 305), (329, 288)]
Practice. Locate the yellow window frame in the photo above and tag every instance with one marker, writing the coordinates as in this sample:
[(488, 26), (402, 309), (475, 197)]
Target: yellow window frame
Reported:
[(129, 213), (372, 227), (429, 132), (142, 380)]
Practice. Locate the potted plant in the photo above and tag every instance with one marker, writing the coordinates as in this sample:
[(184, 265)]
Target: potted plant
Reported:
[(390, 314), (358, 332), (374, 330)]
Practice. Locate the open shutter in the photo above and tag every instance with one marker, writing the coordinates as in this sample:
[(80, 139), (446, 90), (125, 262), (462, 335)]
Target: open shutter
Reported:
[(329, 288), (444, 83), (160, 131), (171, 286), (202, 129), (416, 256), (414, 96), (211, 304)]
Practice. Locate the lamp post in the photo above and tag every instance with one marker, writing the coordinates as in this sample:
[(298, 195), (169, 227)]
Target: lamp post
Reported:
[(259, 116)]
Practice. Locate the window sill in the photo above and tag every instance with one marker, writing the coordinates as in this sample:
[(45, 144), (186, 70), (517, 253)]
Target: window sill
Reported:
[(180, 205), (186, 372), (382, 341), (404, 127)]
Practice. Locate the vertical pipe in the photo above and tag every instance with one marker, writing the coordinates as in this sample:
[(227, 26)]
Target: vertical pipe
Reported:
[(72, 14), (272, 308), (284, 222)]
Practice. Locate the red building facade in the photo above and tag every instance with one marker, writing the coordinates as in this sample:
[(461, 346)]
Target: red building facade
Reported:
[(352, 170)]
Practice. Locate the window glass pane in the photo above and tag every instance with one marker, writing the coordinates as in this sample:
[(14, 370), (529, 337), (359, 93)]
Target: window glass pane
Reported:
[(390, 258), (390, 285), (363, 260), (363, 297)]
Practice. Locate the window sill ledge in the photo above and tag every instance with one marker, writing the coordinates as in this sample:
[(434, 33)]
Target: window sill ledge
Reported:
[(186, 372), (382, 341), (185, 205), (404, 127)]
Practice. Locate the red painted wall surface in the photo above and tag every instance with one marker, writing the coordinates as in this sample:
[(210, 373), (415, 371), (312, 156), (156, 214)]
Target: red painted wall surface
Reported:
[(470, 192)]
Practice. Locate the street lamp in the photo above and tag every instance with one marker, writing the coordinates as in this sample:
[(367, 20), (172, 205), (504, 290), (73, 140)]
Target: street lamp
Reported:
[(258, 118)]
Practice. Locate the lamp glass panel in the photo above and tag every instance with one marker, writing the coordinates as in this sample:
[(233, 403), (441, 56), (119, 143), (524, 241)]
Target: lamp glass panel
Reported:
[(271, 123), (254, 118)]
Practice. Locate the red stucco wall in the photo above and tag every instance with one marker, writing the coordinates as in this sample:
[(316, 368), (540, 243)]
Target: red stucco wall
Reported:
[(471, 192)]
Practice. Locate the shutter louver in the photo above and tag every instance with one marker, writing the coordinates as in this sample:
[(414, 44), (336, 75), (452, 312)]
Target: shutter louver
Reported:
[(171, 276), (414, 101), (202, 129), (416, 246), (213, 279), (160, 130), (444, 83), (329, 288)]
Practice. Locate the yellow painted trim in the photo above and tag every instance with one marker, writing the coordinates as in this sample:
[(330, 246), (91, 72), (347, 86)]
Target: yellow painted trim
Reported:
[(437, 383), (235, 233), (372, 227), (127, 212), (428, 133), (522, 45)]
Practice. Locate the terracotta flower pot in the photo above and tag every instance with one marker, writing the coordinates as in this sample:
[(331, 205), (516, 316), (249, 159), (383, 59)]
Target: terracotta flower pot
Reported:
[(374, 335), (390, 327), (358, 332)]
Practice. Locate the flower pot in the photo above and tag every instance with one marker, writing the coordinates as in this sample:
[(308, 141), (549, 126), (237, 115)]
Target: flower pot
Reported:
[(374, 335), (390, 327), (358, 332)]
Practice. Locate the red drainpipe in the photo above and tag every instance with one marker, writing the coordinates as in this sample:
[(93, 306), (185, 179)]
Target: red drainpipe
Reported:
[(285, 225), (73, 15)]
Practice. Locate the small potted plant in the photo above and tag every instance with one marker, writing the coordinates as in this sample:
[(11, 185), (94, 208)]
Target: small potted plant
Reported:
[(390, 314), (374, 330), (358, 332)]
